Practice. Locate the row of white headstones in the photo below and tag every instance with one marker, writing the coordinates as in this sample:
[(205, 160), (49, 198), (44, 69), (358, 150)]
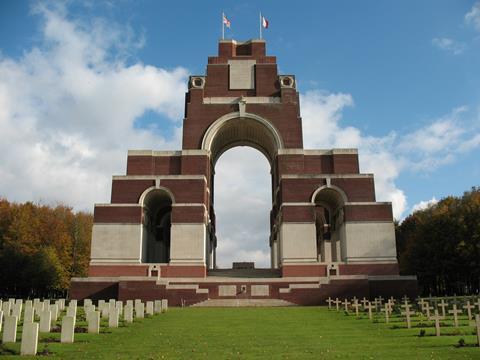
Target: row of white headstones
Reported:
[(424, 306), (11, 313)]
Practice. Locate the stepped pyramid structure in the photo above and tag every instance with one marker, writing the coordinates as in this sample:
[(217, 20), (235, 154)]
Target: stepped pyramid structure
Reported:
[(329, 236)]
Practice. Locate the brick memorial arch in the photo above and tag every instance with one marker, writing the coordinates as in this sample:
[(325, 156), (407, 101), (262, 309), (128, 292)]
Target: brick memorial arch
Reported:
[(329, 236)]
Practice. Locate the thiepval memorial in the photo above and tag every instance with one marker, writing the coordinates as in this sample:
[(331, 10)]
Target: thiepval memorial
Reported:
[(328, 234)]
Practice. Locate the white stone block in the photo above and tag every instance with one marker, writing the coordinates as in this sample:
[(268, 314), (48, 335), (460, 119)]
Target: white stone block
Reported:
[(116, 241), (188, 243), (45, 321), (298, 242), (93, 320), (29, 342), (68, 329), (10, 329)]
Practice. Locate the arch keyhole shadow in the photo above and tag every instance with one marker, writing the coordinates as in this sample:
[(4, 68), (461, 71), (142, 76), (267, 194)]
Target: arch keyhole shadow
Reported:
[(242, 201)]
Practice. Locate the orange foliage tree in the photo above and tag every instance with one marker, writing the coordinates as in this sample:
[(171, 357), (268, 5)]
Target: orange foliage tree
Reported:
[(41, 248)]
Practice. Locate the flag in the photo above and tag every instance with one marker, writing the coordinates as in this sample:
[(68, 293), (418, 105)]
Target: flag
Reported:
[(264, 22), (226, 22)]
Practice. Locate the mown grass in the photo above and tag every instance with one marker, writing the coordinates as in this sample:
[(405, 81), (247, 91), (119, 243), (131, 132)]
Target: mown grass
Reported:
[(261, 333)]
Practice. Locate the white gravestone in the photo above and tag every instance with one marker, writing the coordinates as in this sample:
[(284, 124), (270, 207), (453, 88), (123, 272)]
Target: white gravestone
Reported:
[(158, 306), (68, 329), (54, 310), (72, 302), (139, 310), (105, 310), (17, 310), (87, 303), (129, 302), (93, 319), (149, 309), (1, 319), (164, 305), (119, 306), (113, 317), (128, 313), (45, 321), (10, 329), (29, 342), (28, 315), (72, 310), (6, 306)]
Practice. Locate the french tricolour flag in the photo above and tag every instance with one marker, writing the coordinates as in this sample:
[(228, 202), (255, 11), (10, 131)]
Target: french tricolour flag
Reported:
[(264, 22)]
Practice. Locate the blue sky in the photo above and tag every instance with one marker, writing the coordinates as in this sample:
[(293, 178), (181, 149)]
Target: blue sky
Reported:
[(83, 81)]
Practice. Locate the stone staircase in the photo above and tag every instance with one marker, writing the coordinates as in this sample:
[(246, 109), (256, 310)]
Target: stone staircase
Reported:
[(243, 303)]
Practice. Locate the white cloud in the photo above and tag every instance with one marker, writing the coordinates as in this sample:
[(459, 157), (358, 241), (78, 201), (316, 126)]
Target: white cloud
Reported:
[(449, 45), (242, 207), (321, 114), (437, 143), (68, 109), (473, 16), (422, 205)]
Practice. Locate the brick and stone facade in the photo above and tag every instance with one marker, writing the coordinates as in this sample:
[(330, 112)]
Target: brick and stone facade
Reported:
[(329, 235)]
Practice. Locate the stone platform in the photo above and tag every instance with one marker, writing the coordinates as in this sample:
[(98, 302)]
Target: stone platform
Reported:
[(296, 290)]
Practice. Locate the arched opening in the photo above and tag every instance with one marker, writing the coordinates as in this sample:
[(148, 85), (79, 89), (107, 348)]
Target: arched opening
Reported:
[(242, 208), (329, 204), (231, 131), (157, 209)]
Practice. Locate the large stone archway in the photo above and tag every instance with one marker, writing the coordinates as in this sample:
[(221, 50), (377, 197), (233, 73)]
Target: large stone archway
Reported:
[(326, 225)]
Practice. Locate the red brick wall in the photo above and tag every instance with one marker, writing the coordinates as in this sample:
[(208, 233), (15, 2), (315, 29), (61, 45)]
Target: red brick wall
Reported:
[(380, 212), (129, 191), (188, 214), (298, 214), (117, 214), (368, 269)]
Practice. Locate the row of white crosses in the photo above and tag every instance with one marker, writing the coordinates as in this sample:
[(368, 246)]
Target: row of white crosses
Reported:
[(11, 314), (408, 312)]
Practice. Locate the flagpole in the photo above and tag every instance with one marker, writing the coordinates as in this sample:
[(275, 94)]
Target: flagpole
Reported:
[(223, 26), (260, 25)]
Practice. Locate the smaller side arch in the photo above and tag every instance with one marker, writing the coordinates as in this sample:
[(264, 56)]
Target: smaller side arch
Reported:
[(340, 192), (141, 200), (156, 205)]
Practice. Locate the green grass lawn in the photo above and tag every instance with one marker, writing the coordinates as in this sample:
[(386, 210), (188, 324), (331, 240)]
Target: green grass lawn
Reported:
[(262, 333)]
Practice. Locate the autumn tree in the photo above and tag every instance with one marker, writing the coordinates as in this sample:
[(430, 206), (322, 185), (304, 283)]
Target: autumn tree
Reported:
[(441, 245)]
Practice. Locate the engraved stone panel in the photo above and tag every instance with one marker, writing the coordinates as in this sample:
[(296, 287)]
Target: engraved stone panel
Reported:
[(242, 74), (260, 290), (227, 290)]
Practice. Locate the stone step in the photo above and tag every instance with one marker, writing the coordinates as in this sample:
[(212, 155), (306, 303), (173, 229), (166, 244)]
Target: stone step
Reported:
[(243, 303)]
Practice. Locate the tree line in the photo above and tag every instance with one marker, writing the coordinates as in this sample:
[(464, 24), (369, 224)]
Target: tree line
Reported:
[(41, 248), (441, 245)]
